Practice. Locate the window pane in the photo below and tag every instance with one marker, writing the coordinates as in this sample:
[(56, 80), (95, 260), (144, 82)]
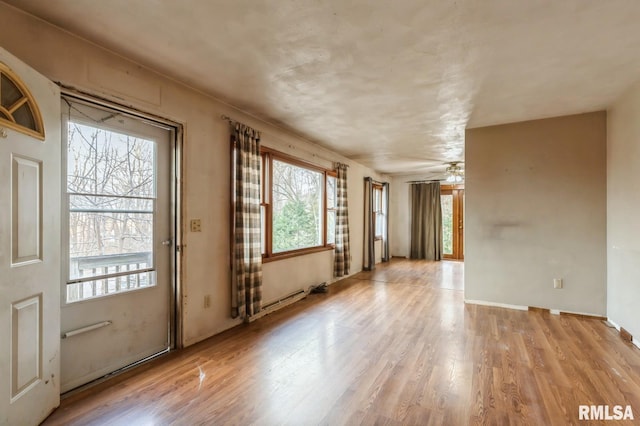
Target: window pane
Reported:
[(24, 117), (331, 192), (331, 227), (379, 219), (91, 203), (297, 207), (9, 92), (107, 243), (377, 199), (104, 162), (263, 230), (446, 200)]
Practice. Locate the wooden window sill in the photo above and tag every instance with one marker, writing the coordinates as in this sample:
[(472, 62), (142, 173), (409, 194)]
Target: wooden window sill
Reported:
[(295, 253)]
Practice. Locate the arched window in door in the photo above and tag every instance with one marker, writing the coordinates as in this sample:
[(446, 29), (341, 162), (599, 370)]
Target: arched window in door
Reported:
[(18, 108)]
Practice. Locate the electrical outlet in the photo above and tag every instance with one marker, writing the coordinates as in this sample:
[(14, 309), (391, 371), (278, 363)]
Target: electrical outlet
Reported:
[(196, 225), (557, 283), (207, 300)]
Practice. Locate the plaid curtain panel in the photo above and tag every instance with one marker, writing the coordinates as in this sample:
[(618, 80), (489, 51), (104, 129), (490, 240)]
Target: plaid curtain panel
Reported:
[(342, 259), (247, 252)]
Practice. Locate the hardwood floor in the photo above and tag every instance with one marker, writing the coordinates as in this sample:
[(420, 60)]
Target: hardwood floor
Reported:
[(394, 346)]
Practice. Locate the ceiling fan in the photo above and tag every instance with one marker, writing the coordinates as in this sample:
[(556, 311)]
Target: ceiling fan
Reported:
[(449, 172), (454, 173)]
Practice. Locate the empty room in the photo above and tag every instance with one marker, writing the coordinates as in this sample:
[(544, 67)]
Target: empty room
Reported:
[(319, 212)]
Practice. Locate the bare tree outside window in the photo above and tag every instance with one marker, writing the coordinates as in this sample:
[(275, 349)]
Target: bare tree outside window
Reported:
[(111, 189)]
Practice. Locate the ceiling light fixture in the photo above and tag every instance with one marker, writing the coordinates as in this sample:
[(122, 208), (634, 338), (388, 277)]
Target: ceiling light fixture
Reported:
[(455, 174)]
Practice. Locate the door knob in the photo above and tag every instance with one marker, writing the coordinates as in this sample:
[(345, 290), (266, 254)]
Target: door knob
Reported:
[(167, 242)]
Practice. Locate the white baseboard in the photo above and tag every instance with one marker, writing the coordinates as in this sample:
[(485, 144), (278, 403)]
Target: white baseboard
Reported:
[(497, 305), (586, 314), (526, 308), (610, 321)]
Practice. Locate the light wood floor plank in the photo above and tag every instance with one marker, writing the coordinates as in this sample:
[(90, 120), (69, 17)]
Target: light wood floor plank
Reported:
[(396, 346)]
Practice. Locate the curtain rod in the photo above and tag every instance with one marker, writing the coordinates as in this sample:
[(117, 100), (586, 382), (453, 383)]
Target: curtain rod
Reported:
[(424, 181), (233, 122), (376, 181), (228, 119), (313, 154)]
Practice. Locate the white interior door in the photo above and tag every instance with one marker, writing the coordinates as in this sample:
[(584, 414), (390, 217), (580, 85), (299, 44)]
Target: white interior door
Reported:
[(29, 244), (119, 250)]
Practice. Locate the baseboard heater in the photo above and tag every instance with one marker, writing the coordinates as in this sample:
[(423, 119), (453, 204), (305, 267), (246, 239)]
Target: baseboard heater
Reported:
[(285, 299), (280, 303)]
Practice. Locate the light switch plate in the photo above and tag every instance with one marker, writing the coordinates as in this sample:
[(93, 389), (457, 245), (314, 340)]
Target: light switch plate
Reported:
[(196, 225)]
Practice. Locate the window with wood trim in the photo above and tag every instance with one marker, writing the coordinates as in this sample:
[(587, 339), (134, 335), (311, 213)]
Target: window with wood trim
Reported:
[(378, 211), (18, 109), (297, 206)]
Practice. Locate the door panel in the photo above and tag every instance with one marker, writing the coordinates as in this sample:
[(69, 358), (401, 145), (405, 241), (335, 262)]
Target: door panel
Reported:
[(29, 244), (118, 269)]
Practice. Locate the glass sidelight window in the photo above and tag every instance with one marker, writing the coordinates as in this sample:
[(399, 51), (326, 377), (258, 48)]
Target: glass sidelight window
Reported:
[(452, 202)]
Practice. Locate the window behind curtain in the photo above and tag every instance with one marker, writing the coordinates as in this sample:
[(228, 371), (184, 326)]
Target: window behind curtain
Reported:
[(331, 209), (378, 211)]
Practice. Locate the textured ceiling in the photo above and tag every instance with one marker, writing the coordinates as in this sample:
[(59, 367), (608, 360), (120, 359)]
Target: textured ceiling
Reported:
[(392, 85)]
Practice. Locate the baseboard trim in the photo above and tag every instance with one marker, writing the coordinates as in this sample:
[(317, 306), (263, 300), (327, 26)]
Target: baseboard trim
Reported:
[(634, 340), (496, 304), (535, 309), (541, 310), (577, 314), (614, 324), (586, 316), (626, 336)]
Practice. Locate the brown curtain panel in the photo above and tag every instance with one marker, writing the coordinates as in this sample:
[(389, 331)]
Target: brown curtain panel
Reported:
[(247, 242), (426, 221)]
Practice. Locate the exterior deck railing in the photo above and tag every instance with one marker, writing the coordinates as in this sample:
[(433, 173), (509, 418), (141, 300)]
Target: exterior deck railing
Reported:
[(102, 275)]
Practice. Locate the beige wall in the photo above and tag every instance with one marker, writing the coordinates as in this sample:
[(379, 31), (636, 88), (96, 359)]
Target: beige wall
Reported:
[(75, 62), (623, 212), (536, 210)]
